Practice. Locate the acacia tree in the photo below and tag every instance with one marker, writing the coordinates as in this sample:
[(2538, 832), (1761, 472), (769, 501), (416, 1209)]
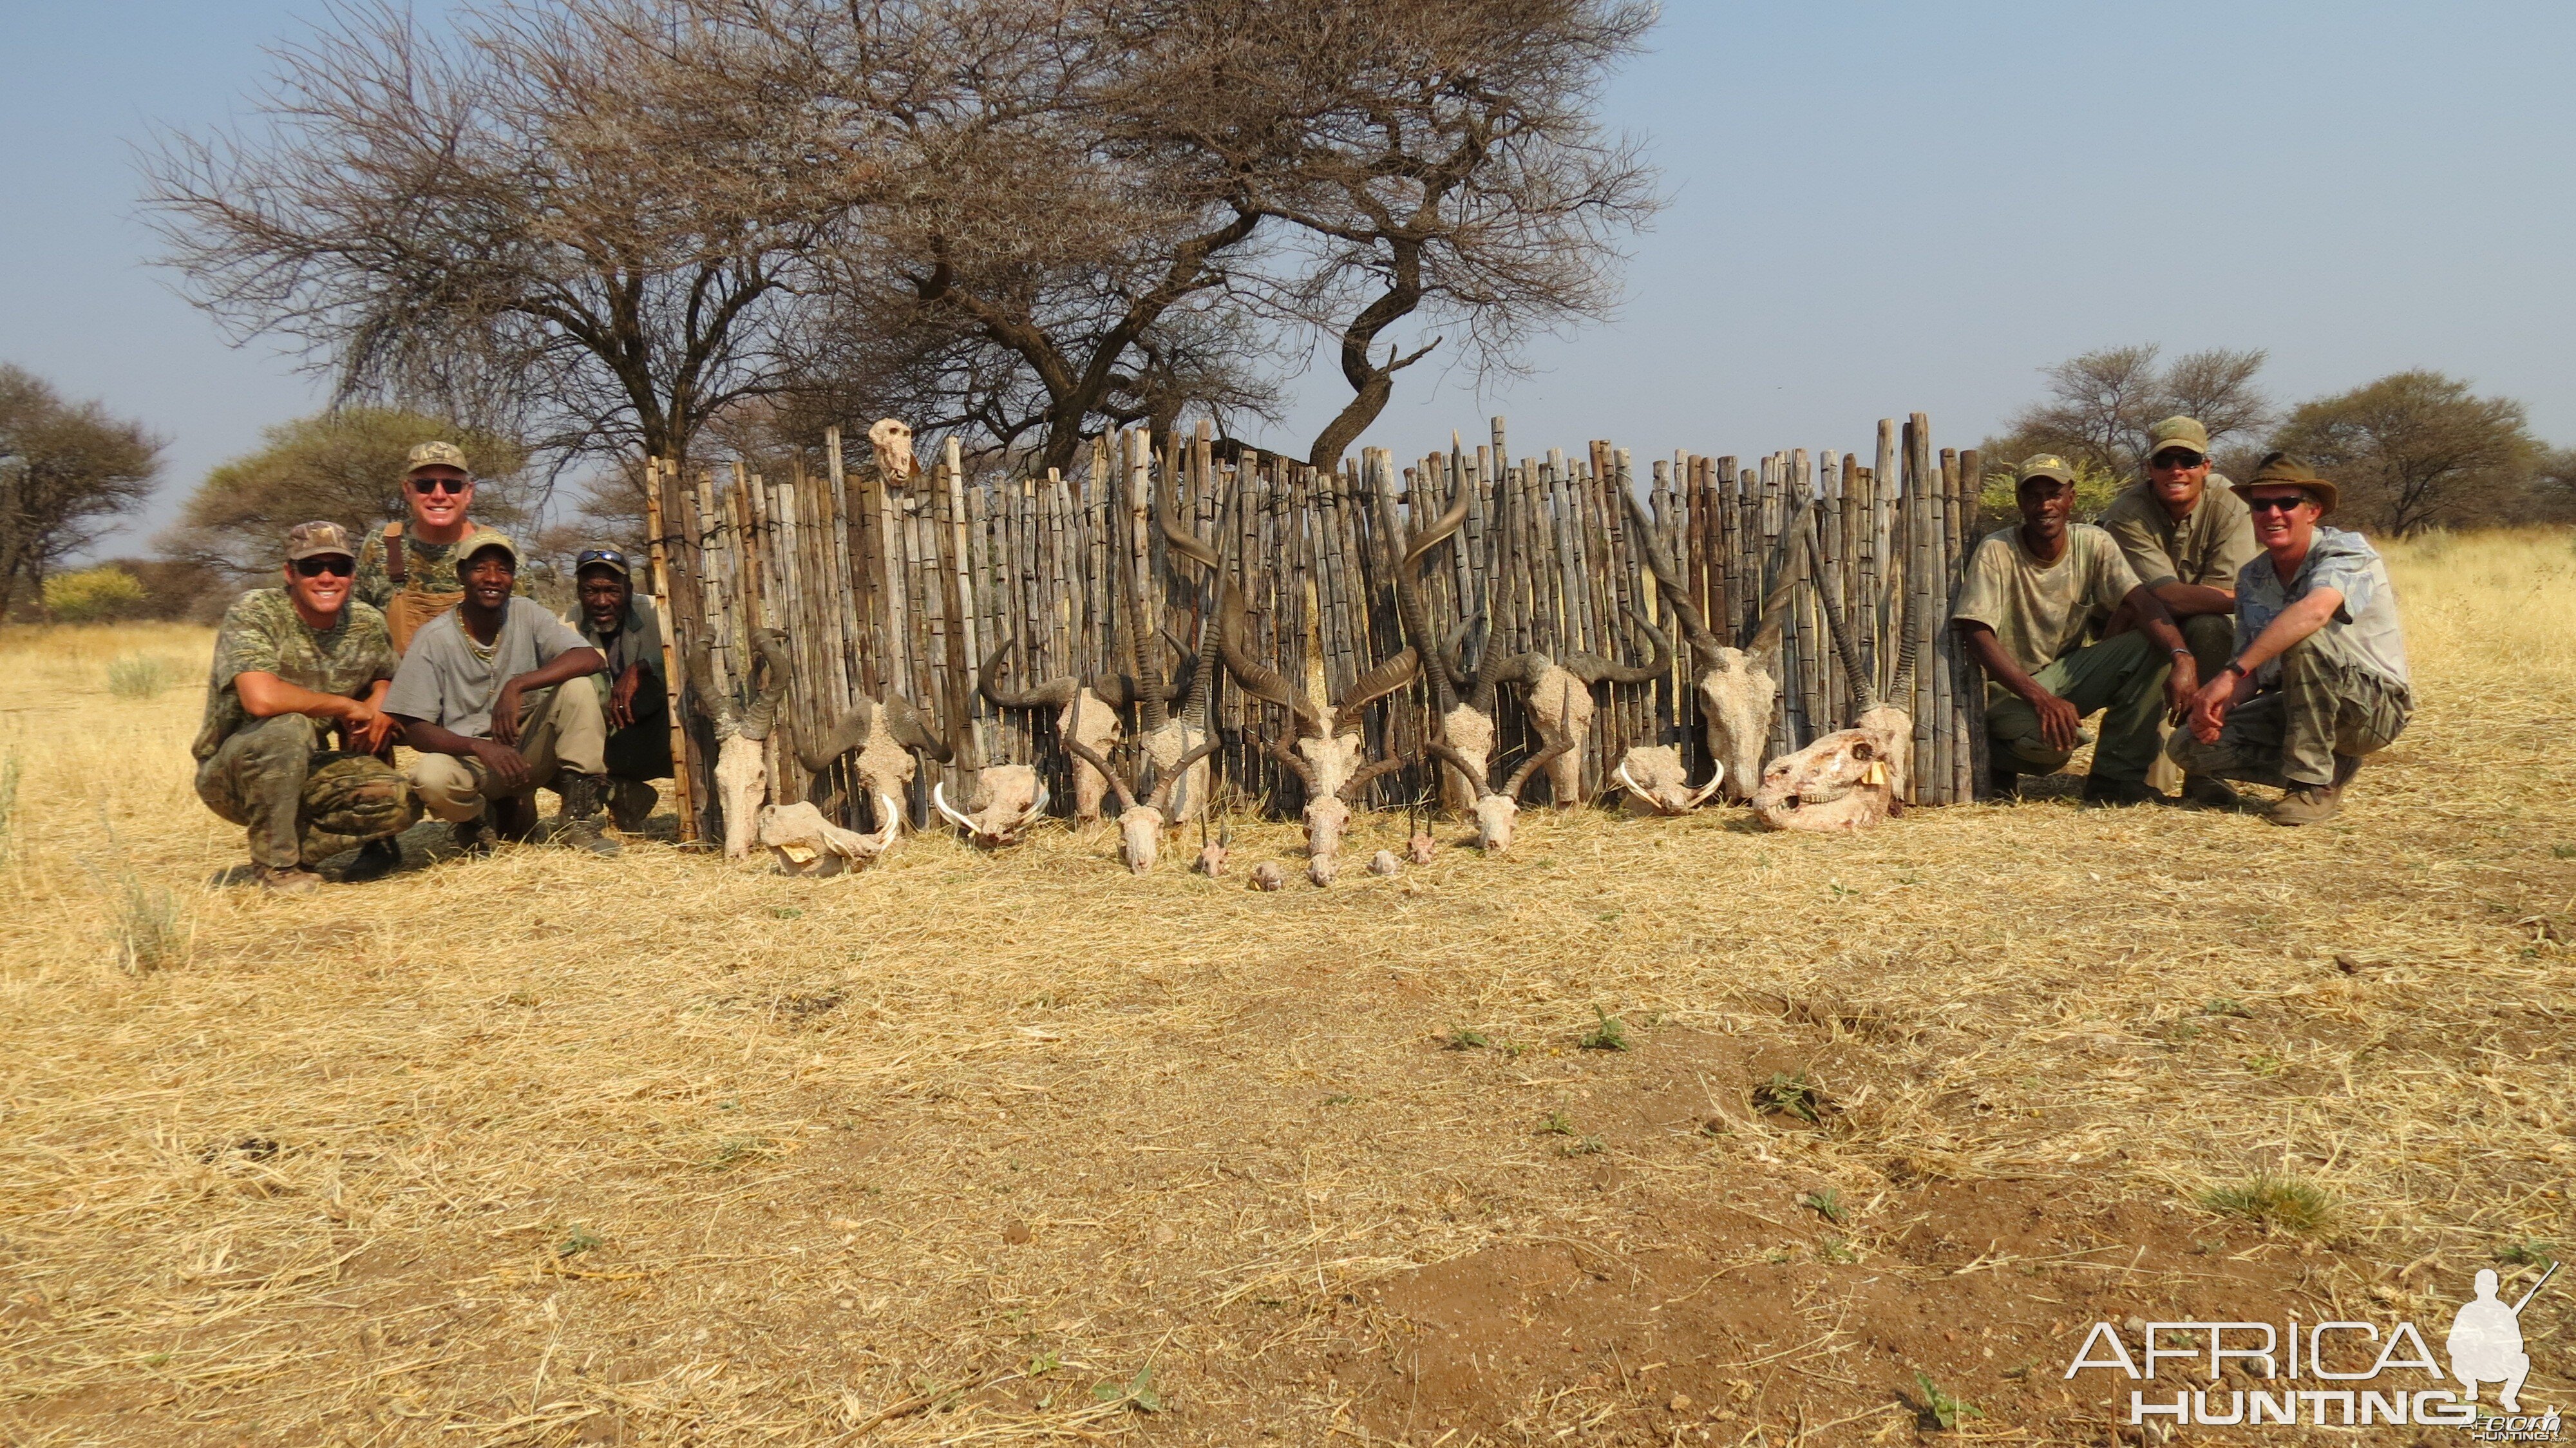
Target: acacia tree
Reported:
[(68, 472), (550, 219), (1437, 163), (2417, 450), (2099, 406)]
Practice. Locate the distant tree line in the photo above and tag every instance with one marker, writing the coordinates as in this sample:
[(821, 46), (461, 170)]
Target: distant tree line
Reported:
[(2413, 450)]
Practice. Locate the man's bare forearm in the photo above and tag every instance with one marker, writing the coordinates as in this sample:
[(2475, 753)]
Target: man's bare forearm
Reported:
[(2294, 624), (2190, 600), (431, 738)]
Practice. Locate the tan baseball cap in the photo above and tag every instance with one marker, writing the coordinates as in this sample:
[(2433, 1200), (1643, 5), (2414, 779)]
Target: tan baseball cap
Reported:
[(2045, 465), (318, 540), (436, 455), (482, 538), (2280, 470), (2178, 432)]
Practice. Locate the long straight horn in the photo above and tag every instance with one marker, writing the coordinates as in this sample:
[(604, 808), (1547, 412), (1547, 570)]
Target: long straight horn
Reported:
[(1791, 571), (1847, 649), (1900, 688), (1694, 625)]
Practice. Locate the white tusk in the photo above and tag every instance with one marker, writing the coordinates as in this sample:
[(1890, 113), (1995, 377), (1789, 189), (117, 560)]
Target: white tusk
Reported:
[(1038, 811), (888, 819), (1633, 787), (939, 799), (1714, 781)]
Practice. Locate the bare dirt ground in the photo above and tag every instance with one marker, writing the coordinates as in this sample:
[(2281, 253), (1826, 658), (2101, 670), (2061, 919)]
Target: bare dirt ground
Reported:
[(1018, 1148)]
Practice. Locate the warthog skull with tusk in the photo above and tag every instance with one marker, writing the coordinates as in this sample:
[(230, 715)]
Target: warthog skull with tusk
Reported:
[(806, 844), (1852, 778), (1657, 780), (1738, 684)]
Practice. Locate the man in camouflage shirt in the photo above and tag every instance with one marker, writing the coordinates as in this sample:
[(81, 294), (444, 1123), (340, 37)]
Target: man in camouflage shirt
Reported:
[(419, 582), (290, 664)]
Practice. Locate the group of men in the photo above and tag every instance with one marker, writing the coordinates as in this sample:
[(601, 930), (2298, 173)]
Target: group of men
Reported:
[(2232, 612), (2271, 641), (420, 637)]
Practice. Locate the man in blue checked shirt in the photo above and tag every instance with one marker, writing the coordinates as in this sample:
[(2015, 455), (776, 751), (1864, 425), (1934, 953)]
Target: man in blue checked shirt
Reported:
[(2319, 678)]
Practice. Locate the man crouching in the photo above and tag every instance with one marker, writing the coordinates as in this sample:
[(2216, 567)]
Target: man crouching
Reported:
[(291, 663), (478, 699)]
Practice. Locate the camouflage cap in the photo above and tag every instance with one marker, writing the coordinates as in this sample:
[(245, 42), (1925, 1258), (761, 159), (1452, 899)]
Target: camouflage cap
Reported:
[(2176, 432), (436, 455), (2280, 470), (318, 540), (2045, 465), (480, 539)]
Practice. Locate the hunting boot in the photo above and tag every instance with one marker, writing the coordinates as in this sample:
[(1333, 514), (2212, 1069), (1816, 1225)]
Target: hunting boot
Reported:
[(2208, 791), (631, 803), (376, 859), (2100, 791), (289, 879), (2306, 804), (2003, 783), (583, 794)]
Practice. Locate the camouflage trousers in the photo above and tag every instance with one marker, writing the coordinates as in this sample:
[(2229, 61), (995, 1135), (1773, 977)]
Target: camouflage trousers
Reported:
[(302, 802), (2291, 734)]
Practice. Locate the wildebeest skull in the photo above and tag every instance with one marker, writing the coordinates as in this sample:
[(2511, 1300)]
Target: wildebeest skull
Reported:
[(806, 844), (741, 775), (1657, 780), (1738, 686), (1141, 826)]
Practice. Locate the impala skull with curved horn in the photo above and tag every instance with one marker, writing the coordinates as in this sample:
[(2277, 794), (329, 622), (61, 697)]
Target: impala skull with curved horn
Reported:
[(1006, 799), (1852, 778), (1141, 825), (1330, 742), (1498, 810), (741, 776), (886, 735), (1738, 684)]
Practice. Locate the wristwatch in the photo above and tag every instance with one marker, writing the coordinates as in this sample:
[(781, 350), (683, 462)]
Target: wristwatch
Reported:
[(2233, 667)]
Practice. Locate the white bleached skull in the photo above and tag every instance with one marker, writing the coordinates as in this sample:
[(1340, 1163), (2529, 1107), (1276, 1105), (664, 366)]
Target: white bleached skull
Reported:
[(806, 844), (892, 442), (1848, 780), (1090, 719), (742, 782), (1657, 780), (1010, 799), (1561, 703), (1737, 694)]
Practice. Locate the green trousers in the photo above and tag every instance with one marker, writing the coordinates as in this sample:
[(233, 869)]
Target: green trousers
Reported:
[(301, 801), (2291, 734), (2124, 677)]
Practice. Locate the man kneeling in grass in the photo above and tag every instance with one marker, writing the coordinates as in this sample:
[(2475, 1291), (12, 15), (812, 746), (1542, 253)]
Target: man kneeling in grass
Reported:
[(479, 700), (2319, 678), (292, 663)]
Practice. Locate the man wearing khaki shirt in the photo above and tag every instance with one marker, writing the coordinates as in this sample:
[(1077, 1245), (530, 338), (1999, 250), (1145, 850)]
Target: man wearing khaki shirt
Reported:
[(2187, 541), (2024, 605)]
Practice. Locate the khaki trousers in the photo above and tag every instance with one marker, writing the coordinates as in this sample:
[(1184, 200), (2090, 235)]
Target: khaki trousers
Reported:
[(560, 729), (2292, 734)]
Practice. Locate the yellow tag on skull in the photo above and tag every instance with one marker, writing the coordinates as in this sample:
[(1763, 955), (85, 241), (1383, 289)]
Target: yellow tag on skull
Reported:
[(799, 851), (1876, 774)]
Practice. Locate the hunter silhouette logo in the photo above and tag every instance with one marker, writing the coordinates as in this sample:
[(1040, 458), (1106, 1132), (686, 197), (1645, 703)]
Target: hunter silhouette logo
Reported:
[(2335, 1374), (2486, 1340)]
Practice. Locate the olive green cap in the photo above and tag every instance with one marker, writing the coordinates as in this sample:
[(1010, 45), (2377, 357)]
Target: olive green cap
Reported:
[(2280, 470), (318, 540), (2045, 465), (482, 538), (2178, 432)]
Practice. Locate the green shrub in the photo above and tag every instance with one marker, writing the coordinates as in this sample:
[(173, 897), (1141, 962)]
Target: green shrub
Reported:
[(93, 595)]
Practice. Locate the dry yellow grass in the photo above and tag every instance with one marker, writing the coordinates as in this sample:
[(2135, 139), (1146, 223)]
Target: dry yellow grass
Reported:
[(545, 1148)]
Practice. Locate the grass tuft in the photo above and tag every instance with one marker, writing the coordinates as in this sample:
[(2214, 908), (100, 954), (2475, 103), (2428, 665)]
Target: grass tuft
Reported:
[(151, 930), (1789, 1095), (2282, 1202), (139, 676)]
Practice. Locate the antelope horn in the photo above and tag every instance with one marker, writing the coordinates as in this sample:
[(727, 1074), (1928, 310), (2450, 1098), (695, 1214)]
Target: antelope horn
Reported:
[(1557, 743), (1053, 694), (719, 704), (912, 731), (1408, 590), (1847, 648), (1792, 570), (1090, 756), (1694, 624), (1178, 535), (1161, 799), (1714, 781), (1366, 775), (1259, 680), (1442, 747), (850, 731), (758, 719), (1279, 750), (1592, 670), (1900, 689), (1376, 684)]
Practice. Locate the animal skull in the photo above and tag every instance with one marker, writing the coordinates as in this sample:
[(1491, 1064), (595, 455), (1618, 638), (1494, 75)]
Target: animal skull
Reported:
[(1658, 781), (1011, 798), (1384, 863), (1141, 822), (1320, 870), (892, 442), (1268, 876), (1211, 861), (741, 772), (1737, 694), (1421, 849), (1561, 703), (1470, 731), (1496, 811), (1093, 723), (1848, 780), (808, 845), (742, 782)]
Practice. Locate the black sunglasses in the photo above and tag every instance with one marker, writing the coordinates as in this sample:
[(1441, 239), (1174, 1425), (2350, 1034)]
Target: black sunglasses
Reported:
[(590, 556), (333, 564), (427, 486), (2180, 459), (2275, 504)]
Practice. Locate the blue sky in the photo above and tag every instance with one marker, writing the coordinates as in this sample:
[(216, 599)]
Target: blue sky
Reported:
[(1877, 209)]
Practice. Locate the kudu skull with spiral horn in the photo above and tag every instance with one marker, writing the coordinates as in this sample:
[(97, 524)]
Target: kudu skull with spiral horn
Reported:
[(741, 775), (1738, 684)]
